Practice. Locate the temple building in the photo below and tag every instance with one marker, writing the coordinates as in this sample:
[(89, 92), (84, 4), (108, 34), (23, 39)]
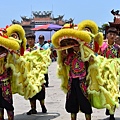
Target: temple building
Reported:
[(40, 18), (116, 21)]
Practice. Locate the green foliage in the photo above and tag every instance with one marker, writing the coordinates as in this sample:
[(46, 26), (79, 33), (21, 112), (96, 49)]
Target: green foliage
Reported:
[(102, 28)]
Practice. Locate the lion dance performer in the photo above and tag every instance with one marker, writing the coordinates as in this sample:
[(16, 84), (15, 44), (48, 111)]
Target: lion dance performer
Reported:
[(8, 45), (110, 50), (41, 95), (19, 73), (86, 83)]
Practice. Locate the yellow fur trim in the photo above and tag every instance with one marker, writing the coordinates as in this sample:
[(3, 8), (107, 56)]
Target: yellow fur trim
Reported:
[(18, 29), (70, 33), (103, 83), (9, 43), (99, 38), (28, 71), (88, 23)]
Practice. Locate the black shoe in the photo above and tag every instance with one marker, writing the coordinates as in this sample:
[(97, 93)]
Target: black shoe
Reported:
[(46, 85), (32, 111), (119, 99), (112, 117), (107, 112), (44, 110)]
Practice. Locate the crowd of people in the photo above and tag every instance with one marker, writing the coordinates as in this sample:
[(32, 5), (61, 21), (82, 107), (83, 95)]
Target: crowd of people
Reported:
[(77, 97)]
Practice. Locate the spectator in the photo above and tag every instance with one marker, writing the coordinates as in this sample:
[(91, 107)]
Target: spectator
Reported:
[(117, 40), (43, 46)]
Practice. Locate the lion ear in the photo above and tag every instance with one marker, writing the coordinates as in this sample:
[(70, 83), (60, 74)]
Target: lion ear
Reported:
[(22, 51)]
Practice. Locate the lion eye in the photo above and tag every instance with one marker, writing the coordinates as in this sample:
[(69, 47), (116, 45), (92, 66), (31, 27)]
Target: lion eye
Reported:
[(15, 35)]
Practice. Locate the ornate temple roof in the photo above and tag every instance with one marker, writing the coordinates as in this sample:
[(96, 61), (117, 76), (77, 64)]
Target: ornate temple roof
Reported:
[(15, 22), (25, 18), (116, 18), (41, 18), (42, 14)]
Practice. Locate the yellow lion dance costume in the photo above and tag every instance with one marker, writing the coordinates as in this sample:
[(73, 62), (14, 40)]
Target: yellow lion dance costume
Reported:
[(27, 69), (103, 74)]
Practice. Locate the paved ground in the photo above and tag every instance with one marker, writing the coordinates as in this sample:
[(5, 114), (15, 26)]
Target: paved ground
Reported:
[(55, 101)]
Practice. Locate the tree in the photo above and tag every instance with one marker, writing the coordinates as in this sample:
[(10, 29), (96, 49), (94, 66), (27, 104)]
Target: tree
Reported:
[(103, 28)]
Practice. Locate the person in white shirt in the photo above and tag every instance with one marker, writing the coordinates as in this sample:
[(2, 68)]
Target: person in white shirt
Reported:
[(43, 46)]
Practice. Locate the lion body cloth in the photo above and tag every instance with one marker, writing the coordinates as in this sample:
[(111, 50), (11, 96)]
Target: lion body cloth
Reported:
[(103, 74), (28, 68)]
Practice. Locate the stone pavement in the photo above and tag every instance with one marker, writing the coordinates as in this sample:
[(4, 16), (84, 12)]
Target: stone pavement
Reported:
[(55, 102)]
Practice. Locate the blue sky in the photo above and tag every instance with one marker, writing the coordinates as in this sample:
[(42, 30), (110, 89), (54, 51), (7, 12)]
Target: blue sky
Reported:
[(96, 10)]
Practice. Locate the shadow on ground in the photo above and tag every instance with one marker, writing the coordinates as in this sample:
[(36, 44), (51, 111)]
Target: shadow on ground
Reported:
[(38, 116), (116, 118)]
